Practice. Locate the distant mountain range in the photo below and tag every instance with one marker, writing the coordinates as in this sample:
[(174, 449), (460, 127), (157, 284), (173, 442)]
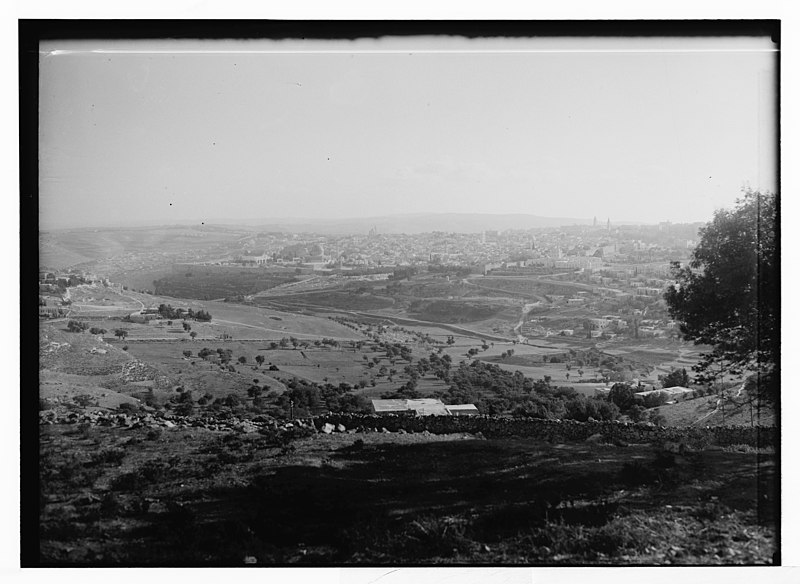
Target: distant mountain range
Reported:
[(389, 224), (412, 223)]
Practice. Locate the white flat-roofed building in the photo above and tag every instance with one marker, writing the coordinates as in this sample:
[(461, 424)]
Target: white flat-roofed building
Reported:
[(421, 407), (463, 410)]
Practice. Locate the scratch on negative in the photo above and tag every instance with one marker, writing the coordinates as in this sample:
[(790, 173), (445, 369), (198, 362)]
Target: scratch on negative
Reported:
[(382, 575)]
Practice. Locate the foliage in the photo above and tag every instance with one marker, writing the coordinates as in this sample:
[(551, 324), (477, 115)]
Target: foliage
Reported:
[(622, 395), (310, 398), (496, 391), (675, 378), (728, 295), (653, 400), (581, 408), (75, 326)]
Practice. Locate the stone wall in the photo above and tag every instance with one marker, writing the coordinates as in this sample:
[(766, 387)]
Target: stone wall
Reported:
[(558, 430), (488, 426)]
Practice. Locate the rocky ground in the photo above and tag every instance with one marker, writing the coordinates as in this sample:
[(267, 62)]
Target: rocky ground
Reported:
[(145, 489)]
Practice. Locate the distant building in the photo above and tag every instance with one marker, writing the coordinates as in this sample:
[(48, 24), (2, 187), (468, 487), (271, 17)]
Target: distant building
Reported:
[(421, 407), (462, 410)]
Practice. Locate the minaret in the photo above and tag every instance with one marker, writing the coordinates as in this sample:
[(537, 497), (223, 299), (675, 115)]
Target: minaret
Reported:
[(608, 224), (594, 223)]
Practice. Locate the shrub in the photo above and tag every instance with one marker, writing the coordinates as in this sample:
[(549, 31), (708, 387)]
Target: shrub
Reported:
[(637, 413), (657, 418), (75, 326), (675, 378), (150, 472), (622, 395), (84, 400), (654, 400), (107, 456)]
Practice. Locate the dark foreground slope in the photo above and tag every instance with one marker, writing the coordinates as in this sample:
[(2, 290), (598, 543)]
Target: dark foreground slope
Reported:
[(192, 496)]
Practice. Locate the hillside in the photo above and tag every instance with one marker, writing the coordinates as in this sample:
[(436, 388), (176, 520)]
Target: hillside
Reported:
[(167, 449), (706, 411)]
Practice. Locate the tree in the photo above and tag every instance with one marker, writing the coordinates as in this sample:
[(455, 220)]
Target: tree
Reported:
[(242, 359), (120, 333), (75, 326), (675, 378), (202, 315), (728, 295), (621, 394), (193, 334), (260, 360)]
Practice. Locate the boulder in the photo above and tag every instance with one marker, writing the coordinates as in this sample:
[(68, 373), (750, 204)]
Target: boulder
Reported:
[(328, 428), (341, 428)]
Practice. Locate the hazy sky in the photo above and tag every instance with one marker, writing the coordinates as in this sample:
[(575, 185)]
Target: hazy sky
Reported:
[(635, 130)]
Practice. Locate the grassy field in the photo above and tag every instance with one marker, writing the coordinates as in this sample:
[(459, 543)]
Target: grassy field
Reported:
[(197, 497), (342, 300)]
